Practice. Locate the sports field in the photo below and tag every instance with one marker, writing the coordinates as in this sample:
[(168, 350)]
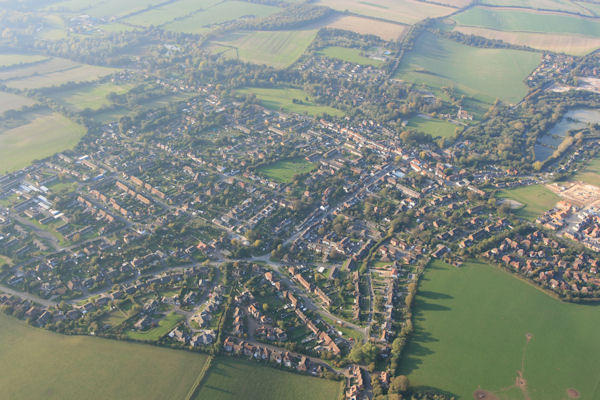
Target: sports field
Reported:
[(277, 49), (283, 99), (347, 54), (38, 364), (44, 136), (433, 127), (488, 74), (478, 327), (536, 200), (232, 379), (283, 171), (90, 96), (368, 26), (10, 101)]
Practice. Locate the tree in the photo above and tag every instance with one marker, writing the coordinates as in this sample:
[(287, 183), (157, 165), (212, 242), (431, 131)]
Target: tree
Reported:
[(399, 384)]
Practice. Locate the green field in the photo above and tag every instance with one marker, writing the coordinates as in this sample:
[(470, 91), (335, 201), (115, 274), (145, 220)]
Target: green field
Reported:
[(9, 101), (89, 96), (165, 325), (79, 367), (536, 200), (485, 74), (80, 73), (282, 99), (233, 379), (283, 171), (528, 21), (470, 332), (8, 60), (103, 8), (42, 137), (433, 127), (555, 5), (277, 49), (349, 55), (590, 173)]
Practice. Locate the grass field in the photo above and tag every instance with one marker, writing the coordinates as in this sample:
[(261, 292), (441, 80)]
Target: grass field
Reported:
[(283, 171), (402, 11), (9, 101), (536, 200), (165, 325), (76, 367), (433, 127), (528, 21), (8, 60), (103, 8), (349, 55), (282, 99), (488, 74), (555, 5), (89, 96), (277, 49), (470, 332), (367, 26), (232, 379), (80, 73), (44, 136), (590, 173)]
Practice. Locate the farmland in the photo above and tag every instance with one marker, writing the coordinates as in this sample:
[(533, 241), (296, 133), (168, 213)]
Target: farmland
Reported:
[(76, 367), (284, 170), (9, 101), (104, 8), (489, 74), (43, 136), (367, 26), (536, 200), (477, 327), (277, 49), (590, 173), (230, 378), (349, 55), (9, 60), (433, 127), (89, 96), (555, 5), (283, 99)]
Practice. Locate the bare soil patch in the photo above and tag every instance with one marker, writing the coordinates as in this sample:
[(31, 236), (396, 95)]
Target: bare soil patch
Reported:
[(572, 393), (484, 395)]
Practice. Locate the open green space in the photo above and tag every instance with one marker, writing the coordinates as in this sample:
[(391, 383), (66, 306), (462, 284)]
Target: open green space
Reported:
[(283, 171), (555, 5), (283, 99), (277, 49), (10, 101), (484, 74), (80, 367), (590, 173), (9, 60), (232, 379), (42, 137), (432, 126), (477, 327), (536, 200), (79, 73), (528, 21), (89, 96), (104, 8), (165, 325), (349, 55)]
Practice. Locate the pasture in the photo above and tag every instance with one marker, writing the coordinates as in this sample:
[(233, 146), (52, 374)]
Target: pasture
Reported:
[(10, 101), (478, 327), (231, 379), (553, 5), (80, 73), (347, 54), (42, 137), (367, 26), (104, 8), (81, 367), (277, 49), (283, 171), (489, 73), (590, 173), (10, 60), (432, 126), (88, 96), (535, 200), (283, 99)]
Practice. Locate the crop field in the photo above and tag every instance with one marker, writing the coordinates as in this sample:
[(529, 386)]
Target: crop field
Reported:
[(528, 21), (277, 49), (80, 73), (165, 325), (168, 12), (51, 65), (594, 8), (79, 367), (104, 8), (554, 5), (569, 44), (232, 379), (283, 99), (9, 60), (89, 96), (367, 26), (478, 327), (283, 171), (488, 74), (535, 200), (10, 101), (403, 11), (433, 127), (42, 137), (347, 54)]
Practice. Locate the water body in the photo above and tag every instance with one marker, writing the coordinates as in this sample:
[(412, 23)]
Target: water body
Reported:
[(572, 120)]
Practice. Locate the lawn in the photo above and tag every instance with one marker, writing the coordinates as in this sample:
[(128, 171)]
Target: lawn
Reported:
[(432, 126), (9, 101), (89, 96), (277, 49), (283, 171), (471, 329), (80, 367), (350, 55), (528, 21), (536, 200), (42, 137), (232, 379), (590, 173), (283, 99), (489, 73), (165, 325)]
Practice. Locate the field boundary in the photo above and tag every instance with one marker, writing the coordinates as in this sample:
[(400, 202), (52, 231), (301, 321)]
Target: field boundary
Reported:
[(198, 382)]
